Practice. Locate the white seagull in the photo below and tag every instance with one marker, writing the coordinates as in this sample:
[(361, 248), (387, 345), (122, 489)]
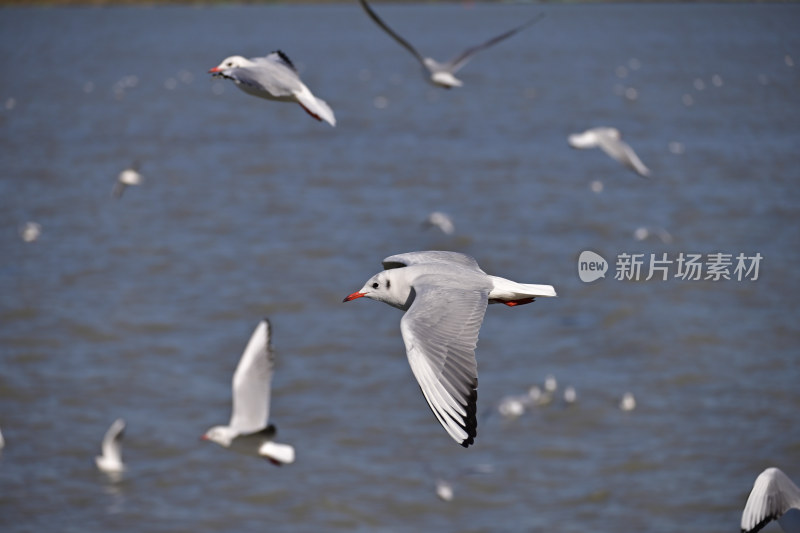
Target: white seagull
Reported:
[(111, 460), (127, 178), (443, 74), (440, 220), (30, 231), (445, 295), (628, 402), (248, 430), (774, 497), (274, 78), (610, 141)]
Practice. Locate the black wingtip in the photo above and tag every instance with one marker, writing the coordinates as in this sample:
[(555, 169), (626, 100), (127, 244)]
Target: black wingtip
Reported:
[(285, 59), (471, 420)]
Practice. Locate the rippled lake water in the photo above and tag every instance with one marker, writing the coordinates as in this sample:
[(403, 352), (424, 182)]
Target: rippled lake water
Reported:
[(140, 307)]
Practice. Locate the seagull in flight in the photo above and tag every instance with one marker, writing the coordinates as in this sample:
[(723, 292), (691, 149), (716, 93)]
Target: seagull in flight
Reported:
[(273, 77), (111, 460), (127, 178), (610, 141), (444, 296), (443, 74), (248, 430)]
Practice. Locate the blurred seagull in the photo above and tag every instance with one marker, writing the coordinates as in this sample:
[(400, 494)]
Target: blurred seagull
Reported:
[(248, 430), (440, 220), (273, 77), (444, 487), (111, 460), (445, 295), (128, 177), (443, 74), (513, 406), (641, 233), (610, 141), (774, 497), (30, 231), (628, 402), (570, 395)]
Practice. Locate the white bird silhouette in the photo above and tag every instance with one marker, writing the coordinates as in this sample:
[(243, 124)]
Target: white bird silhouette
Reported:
[(274, 78), (111, 460), (610, 141), (445, 295), (248, 430), (127, 178)]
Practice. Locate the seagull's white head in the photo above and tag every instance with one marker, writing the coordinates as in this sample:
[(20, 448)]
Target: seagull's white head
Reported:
[(389, 286), (222, 435), (229, 63)]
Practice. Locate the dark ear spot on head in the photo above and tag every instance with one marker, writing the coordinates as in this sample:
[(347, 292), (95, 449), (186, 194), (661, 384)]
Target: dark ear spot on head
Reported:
[(388, 283)]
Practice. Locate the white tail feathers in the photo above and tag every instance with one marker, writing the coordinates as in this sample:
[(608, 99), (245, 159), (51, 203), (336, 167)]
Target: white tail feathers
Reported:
[(282, 453), (505, 290), (316, 107)]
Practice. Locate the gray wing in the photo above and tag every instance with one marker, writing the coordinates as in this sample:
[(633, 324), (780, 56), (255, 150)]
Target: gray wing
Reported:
[(252, 381), (405, 44), (773, 495), (112, 441), (419, 258), (455, 64), (622, 152), (270, 74), (440, 331)]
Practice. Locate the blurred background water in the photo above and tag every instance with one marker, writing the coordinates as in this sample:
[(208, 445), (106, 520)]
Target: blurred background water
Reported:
[(140, 307)]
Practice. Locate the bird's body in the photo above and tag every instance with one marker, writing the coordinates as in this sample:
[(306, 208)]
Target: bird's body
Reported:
[(445, 295), (248, 430), (129, 177), (610, 141), (628, 402), (30, 231), (111, 460), (774, 497), (443, 74), (274, 78)]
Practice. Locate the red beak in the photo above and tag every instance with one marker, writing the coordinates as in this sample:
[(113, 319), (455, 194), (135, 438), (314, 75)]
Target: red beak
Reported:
[(354, 296), (213, 70)]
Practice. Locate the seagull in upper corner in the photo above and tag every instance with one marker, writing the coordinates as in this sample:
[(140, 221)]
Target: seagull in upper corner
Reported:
[(248, 430), (774, 497), (610, 141), (444, 295), (273, 77), (443, 74), (111, 460)]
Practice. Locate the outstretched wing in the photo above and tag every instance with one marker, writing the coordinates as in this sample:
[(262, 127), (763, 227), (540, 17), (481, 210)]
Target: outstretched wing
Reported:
[(252, 381), (112, 441), (419, 258), (456, 64), (618, 149), (440, 331), (391, 32), (773, 494)]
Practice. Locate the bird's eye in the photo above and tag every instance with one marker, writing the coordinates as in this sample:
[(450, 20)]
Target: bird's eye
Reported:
[(375, 285)]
